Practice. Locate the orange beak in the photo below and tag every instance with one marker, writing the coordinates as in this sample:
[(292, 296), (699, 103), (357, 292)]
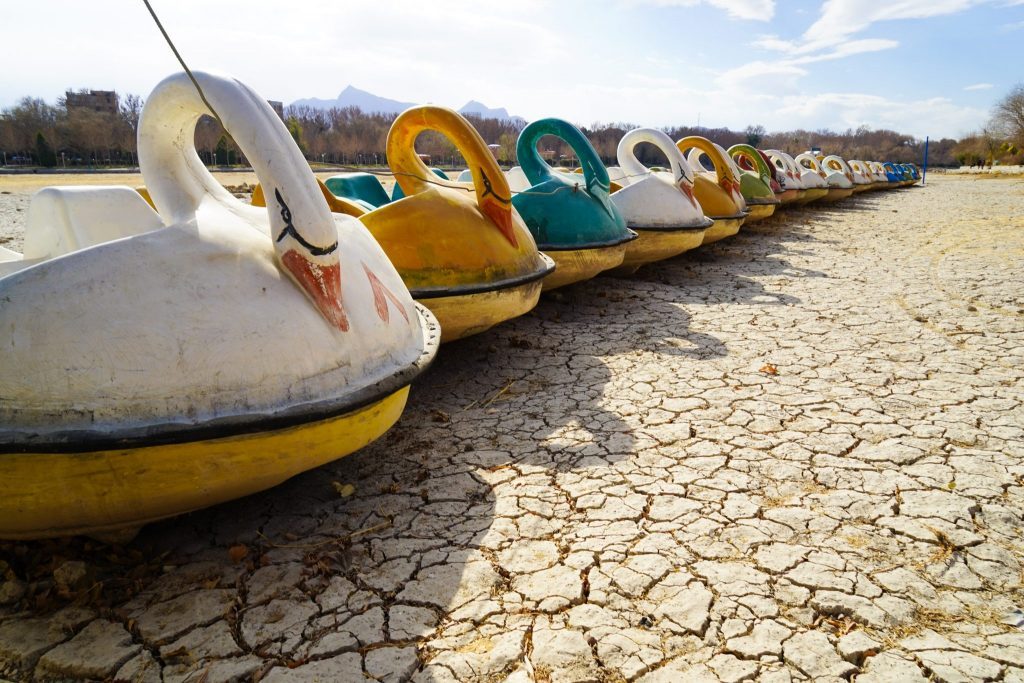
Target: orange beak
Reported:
[(688, 191), (501, 216), (322, 284)]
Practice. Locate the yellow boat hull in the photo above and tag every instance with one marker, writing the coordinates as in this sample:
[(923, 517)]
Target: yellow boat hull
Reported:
[(723, 227), (577, 265), (657, 245), (837, 193), (758, 212), (463, 315), (813, 194), (788, 197), (111, 493)]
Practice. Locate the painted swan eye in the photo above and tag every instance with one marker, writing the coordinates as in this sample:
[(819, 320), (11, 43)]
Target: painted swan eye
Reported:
[(289, 229)]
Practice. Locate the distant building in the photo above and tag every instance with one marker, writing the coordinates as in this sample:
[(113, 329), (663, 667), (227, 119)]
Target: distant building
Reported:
[(103, 101), (278, 107)]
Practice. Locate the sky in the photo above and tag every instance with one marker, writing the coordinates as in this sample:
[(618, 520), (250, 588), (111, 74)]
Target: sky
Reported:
[(923, 67)]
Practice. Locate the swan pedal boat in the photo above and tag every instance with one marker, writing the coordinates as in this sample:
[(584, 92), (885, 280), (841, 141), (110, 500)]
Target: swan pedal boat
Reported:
[(464, 252), (861, 181), (840, 186), (789, 178), (575, 224), (568, 213), (755, 182), (161, 362), (782, 184), (718, 191), (840, 168), (816, 187), (659, 206)]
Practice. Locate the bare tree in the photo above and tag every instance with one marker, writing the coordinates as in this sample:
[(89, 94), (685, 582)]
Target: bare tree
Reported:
[(1008, 116), (755, 134)]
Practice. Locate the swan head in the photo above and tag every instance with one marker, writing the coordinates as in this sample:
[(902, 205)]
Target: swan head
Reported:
[(309, 255), (304, 233)]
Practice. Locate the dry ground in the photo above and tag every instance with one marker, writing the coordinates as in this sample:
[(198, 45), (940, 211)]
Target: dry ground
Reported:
[(795, 455)]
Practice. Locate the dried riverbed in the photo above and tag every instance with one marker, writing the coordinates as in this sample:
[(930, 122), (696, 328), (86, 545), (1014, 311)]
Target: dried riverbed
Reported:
[(795, 455)]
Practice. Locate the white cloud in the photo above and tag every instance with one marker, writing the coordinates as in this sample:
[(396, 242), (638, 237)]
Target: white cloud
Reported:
[(937, 116), (760, 10), (847, 49), (841, 19), (757, 10), (980, 86), (762, 77)]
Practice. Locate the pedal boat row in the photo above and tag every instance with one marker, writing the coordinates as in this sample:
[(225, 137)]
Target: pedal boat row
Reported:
[(170, 349)]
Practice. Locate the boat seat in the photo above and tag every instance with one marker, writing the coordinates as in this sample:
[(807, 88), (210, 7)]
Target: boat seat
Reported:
[(361, 187), (65, 219)]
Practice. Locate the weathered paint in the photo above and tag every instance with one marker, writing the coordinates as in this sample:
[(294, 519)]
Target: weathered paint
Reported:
[(450, 240), (719, 191), (469, 314), (861, 182), (755, 182), (226, 323), (569, 214), (659, 206), (794, 177), (59, 494), (397, 193), (840, 185)]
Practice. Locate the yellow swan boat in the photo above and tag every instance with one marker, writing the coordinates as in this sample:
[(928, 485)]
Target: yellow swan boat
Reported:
[(719, 191), (198, 354), (464, 252)]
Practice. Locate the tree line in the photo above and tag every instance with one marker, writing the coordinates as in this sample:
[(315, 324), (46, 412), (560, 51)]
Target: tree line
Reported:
[(1001, 139), (35, 133)]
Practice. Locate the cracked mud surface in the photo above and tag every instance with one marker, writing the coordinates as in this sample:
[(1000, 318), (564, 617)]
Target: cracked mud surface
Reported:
[(795, 455)]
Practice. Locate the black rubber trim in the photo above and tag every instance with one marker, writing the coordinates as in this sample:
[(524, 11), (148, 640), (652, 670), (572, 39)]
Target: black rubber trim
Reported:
[(466, 290), (741, 214), (589, 245), (687, 228), (85, 441)]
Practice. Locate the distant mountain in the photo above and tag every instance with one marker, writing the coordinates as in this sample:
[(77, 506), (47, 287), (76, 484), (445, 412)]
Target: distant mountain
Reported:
[(485, 112), (354, 97), (368, 102)]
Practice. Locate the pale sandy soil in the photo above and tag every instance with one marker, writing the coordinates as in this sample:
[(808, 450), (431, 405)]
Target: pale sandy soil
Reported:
[(793, 455)]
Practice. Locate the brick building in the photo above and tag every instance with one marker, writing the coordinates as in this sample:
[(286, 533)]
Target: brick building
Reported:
[(104, 101)]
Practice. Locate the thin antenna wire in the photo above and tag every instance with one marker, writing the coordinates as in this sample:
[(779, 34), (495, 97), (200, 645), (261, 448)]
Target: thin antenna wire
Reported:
[(184, 66)]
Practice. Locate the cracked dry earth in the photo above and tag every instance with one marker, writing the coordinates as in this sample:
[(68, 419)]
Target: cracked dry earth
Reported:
[(796, 455)]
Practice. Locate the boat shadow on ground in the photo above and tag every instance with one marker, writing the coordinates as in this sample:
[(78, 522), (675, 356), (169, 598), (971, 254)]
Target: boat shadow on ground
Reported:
[(406, 536), (735, 270)]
